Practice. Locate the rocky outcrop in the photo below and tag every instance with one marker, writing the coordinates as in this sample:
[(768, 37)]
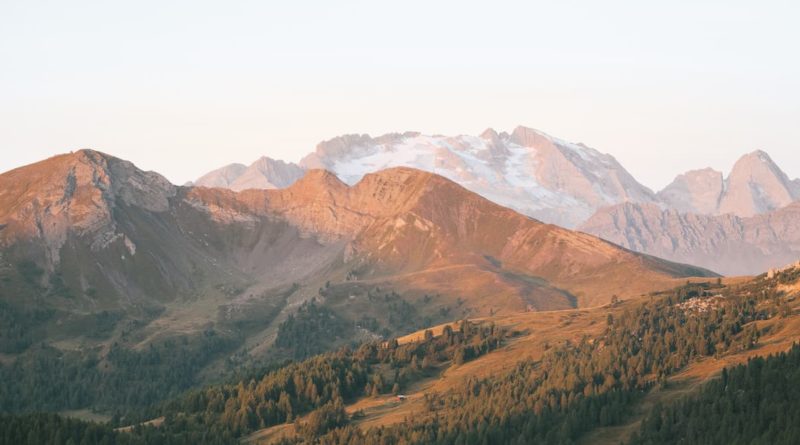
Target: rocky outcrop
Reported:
[(775, 271), (697, 191), (740, 225), (264, 173), (728, 244), (755, 185), (222, 177), (76, 193)]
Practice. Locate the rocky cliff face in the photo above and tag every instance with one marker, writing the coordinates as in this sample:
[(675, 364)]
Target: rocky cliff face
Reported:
[(264, 173), (223, 177), (75, 194), (728, 244), (742, 224), (755, 185), (697, 191)]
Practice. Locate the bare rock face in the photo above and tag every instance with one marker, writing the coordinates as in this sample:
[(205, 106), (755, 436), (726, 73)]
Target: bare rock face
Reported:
[(264, 173), (728, 244), (697, 191), (267, 173), (75, 193), (742, 225), (756, 185), (222, 177)]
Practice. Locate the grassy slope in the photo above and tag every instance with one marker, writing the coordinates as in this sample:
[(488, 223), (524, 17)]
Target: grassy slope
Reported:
[(784, 332), (538, 332)]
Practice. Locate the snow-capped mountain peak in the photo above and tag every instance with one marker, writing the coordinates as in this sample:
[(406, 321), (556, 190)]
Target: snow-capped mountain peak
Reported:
[(537, 174), (528, 170)]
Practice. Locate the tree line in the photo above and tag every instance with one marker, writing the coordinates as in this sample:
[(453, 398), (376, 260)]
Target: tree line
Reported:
[(754, 403), (592, 383), (575, 387)]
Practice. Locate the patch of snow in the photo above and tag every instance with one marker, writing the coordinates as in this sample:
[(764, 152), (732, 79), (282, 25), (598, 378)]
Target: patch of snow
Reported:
[(130, 245), (513, 182)]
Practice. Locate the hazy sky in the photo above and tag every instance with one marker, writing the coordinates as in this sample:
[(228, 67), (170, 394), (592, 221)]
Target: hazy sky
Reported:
[(183, 87)]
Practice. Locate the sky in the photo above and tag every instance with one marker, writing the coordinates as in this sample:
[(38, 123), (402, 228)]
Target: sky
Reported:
[(183, 87)]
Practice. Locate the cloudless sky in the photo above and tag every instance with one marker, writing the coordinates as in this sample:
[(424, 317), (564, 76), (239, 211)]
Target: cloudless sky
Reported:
[(183, 87)]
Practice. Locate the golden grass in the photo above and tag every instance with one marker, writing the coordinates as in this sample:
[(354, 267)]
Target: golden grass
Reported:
[(783, 333), (86, 415), (271, 434), (155, 422), (540, 330), (535, 333)]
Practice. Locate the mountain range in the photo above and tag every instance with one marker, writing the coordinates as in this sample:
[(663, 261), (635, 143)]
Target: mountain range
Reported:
[(87, 232), (740, 225), (529, 171), (754, 186), (729, 244), (264, 173), (575, 186), (123, 293)]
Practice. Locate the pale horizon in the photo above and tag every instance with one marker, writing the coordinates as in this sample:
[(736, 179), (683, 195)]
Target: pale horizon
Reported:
[(188, 87)]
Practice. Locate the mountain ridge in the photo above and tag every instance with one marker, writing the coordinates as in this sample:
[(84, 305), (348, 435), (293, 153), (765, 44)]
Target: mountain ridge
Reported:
[(727, 243), (528, 170), (550, 179), (755, 185), (97, 223), (263, 173), (403, 189), (574, 186)]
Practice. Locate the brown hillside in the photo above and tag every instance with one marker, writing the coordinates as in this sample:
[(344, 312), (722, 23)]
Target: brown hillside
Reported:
[(402, 223), (86, 232)]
